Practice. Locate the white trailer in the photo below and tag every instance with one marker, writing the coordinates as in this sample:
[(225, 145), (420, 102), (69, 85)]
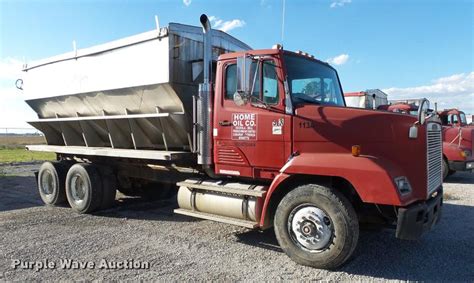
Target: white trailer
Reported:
[(366, 99)]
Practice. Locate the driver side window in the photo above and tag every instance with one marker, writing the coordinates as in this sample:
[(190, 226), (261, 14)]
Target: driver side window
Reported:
[(270, 84), (269, 87)]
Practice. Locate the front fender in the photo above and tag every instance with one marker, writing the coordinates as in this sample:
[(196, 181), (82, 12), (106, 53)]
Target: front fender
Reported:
[(452, 151), (368, 175)]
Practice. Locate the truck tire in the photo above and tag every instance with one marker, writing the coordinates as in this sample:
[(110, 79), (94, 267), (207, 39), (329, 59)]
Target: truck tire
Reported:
[(316, 226), (445, 169), (84, 188), (109, 187), (51, 182)]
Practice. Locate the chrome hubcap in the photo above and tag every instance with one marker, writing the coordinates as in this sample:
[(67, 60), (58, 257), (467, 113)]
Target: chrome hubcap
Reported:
[(47, 183), (78, 189), (310, 227)]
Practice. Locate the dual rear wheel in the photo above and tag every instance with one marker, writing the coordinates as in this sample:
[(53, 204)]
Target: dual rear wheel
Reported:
[(85, 187)]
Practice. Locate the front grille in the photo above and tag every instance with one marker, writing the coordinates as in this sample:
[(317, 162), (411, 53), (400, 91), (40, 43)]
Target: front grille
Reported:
[(434, 156)]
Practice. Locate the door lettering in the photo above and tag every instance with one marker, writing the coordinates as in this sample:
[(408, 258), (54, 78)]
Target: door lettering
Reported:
[(244, 126)]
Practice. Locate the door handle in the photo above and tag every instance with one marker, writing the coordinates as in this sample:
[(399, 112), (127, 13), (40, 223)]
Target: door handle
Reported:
[(225, 123)]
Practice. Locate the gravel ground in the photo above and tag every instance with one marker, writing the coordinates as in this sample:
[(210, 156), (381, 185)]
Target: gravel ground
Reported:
[(181, 248)]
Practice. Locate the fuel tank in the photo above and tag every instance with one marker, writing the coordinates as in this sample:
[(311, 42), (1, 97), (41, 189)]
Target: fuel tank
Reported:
[(222, 204)]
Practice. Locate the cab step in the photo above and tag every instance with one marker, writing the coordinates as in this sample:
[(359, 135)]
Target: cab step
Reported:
[(254, 191), (217, 218)]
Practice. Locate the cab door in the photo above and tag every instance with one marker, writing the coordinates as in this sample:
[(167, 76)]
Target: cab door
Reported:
[(252, 140)]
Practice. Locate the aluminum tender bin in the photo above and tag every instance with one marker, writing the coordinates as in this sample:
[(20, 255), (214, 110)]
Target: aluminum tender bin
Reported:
[(133, 93)]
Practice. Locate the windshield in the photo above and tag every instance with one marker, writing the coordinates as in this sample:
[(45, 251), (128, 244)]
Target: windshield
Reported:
[(463, 118), (312, 82)]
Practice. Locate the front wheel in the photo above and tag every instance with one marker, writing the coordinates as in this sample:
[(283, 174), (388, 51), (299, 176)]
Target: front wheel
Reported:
[(446, 171), (316, 226)]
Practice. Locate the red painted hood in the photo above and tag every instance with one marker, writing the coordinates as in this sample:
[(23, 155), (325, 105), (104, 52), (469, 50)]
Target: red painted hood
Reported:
[(380, 134), (460, 136)]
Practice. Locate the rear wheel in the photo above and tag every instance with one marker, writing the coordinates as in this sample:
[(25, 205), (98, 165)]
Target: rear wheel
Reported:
[(51, 182), (316, 226), (84, 188)]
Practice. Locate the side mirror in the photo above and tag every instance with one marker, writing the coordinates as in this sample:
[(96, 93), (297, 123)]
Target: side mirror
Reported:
[(422, 108), (413, 133), (245, 80), (239, 100)]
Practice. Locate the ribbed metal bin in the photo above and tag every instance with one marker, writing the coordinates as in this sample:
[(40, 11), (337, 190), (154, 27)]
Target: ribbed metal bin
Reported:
[(133, 93)]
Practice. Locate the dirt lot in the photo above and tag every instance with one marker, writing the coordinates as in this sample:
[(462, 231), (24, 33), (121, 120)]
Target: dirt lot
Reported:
[(181, 248)]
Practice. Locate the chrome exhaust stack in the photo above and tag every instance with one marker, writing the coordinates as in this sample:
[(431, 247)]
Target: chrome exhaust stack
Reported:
[(203, 121)]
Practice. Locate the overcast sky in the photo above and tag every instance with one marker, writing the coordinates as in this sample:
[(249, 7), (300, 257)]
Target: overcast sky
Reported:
[(406, 48)]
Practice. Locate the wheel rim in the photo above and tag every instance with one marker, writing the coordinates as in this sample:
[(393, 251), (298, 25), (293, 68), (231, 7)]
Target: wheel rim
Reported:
[(78, 189), (310, 228), (47, 183)]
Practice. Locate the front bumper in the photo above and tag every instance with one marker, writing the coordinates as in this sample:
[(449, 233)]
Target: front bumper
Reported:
[(418, 218), (461, 165)]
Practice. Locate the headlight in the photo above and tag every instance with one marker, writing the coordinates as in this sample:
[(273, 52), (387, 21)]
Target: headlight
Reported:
[(403, 185)]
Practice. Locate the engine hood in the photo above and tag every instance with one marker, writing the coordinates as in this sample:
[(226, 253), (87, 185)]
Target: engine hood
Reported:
[(383, 138), (462, 137), (348, 126)]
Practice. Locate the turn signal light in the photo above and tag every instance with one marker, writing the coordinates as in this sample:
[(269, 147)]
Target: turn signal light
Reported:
[(465, 154), (356, 150)]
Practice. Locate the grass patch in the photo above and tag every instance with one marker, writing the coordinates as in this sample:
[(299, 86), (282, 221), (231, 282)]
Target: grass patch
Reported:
[(9, 155)]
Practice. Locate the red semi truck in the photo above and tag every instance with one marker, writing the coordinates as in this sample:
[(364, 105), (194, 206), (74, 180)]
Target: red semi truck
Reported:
[(458, 142), (264, 141), (458, 136)]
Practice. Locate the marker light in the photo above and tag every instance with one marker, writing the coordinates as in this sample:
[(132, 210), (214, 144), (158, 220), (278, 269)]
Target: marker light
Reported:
[(277, 46), (356, 150)]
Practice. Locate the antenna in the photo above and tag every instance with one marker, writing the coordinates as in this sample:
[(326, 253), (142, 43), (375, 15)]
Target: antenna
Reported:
[(74, 47), (157, 22), (283, 22)]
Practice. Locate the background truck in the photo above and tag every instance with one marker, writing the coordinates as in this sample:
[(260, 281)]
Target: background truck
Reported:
[(369, 99), (256, 138), (458, 142), (458, 135)]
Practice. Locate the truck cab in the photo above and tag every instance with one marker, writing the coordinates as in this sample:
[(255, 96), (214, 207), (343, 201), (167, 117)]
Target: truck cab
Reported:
[(280, 117), (458, 141)]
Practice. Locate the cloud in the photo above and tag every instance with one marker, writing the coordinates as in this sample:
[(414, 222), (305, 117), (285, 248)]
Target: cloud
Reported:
[(339, 3), (13, 110), (10, 68), (339, 60), (225, 26), (187, 2), (455, 91), (10, 71)]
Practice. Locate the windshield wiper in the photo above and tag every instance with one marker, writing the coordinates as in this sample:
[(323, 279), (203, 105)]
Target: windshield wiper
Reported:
[(307, 100)]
